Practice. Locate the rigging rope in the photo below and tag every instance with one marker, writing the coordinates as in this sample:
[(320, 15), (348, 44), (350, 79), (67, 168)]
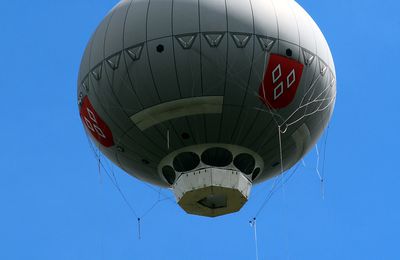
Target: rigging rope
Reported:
[(253, 224), (323, 159), (112, 177), (139, 234), (321, 179), (278, 183)]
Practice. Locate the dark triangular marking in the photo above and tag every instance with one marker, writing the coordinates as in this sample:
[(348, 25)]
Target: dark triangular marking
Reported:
[(322, 67), (333, 79), (80, 97), (96, 72), (187, 40), (241, 39), (266, 43), (113, 61), (135, 52), (85, 84), (214, 39), (308, 57)]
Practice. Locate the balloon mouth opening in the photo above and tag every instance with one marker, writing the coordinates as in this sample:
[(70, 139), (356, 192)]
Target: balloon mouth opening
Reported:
[(214, 201)]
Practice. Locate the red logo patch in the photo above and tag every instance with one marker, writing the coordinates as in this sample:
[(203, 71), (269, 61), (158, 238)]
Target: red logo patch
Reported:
[(97, 127), (280, 82)]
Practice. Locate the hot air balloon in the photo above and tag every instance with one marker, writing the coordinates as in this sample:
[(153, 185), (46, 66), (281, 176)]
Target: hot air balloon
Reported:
[(206, 97)]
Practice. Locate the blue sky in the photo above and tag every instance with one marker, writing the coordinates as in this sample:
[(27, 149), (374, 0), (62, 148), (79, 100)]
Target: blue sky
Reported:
[(54, 204)]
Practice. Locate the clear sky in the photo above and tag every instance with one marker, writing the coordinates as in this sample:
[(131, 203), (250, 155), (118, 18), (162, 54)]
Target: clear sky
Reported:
[(55, 205)]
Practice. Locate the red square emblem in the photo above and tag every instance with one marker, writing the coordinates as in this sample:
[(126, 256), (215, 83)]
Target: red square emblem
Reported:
[(96, 126), (281, 81)]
